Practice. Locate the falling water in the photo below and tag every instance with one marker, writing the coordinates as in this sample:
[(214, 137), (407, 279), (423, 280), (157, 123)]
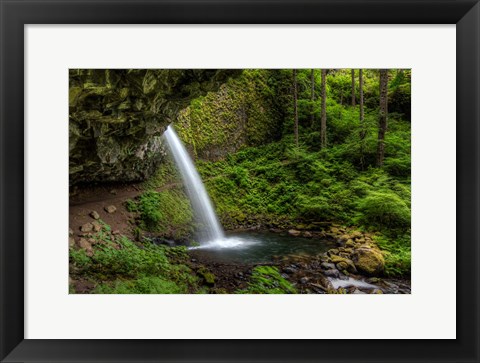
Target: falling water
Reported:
[(199, 198)]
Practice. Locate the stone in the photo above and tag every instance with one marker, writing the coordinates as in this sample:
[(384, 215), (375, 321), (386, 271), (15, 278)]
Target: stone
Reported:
[(334, 230), (116, 232), (327, 266), (356, 234), (349, 243), (357, 291), (331, 273), (87, 227), (369, 261), (71, 241), (307, 234), (304, 280), (110, 209), (70, 232), (97, 227), (94, 214), (333, 251), (84, 244), (345, 263), (289, 270), (294, 232), (377, 291)]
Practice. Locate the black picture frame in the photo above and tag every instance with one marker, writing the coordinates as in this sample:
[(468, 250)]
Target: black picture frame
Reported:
[(15, 14)]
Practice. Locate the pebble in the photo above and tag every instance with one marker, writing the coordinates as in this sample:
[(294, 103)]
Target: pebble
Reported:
[(111, 209), (87, 227), (94, 214)]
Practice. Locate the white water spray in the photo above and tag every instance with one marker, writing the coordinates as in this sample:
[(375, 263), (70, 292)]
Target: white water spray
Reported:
[(201, 204)]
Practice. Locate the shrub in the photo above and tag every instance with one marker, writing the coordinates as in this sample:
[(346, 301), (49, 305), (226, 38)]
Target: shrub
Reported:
[(383, 209)]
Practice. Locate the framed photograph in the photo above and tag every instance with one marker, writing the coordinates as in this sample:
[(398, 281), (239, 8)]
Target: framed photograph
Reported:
[(240, 181)]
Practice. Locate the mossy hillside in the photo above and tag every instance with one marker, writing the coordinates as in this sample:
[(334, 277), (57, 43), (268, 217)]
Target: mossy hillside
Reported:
[(243, 112), (167, 213)]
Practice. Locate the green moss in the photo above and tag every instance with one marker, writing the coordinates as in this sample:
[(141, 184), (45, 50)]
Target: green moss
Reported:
[(167, 212), (267, 280)]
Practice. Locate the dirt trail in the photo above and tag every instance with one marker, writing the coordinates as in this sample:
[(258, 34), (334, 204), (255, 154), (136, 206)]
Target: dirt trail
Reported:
[(86, 200)]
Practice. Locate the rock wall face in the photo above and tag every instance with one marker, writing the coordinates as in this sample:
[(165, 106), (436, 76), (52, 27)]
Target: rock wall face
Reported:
[(116, 118), (244, 111)]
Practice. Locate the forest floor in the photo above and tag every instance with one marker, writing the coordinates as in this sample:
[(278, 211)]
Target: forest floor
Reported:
[(305, 273)]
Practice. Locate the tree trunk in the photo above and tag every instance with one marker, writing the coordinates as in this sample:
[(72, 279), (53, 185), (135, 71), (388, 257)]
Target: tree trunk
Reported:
[(323, 124), (295, 110), (312, 110), (382, 119), (363, 130), (353, 87)]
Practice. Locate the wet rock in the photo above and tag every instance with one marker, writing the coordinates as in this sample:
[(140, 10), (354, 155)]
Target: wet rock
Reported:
[(289, 270), (369, 261), (357, 291), (304, 280), (307, 234), (349, 243), (87, 227), (110, 209), (294, 232), (327, 266), (356, 234), (333, 251), (94, 214), (331, 273)]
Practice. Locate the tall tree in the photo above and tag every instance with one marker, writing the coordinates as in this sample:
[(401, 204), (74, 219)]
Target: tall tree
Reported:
[(312, 98), (382, 118), (353, 87), (362, 120), (323, 122), (295, 107)]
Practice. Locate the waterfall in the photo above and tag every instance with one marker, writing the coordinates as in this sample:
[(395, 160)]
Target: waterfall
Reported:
[(201, 204)]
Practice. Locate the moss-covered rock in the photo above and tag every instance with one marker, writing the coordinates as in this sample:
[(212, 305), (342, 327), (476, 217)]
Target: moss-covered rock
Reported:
[(369, 261), (116, 118)]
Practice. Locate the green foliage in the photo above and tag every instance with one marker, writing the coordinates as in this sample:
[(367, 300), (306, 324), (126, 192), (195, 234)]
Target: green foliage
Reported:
[(384, 209), (267, 280), (168, 212), (397, 253), (143, 285), (126, 267)]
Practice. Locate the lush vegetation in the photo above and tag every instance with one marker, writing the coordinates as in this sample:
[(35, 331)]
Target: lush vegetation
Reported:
[(278, 148), (122, 266)]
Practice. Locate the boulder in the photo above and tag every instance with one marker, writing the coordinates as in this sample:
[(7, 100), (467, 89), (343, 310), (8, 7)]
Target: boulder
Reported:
[(369, 261)]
